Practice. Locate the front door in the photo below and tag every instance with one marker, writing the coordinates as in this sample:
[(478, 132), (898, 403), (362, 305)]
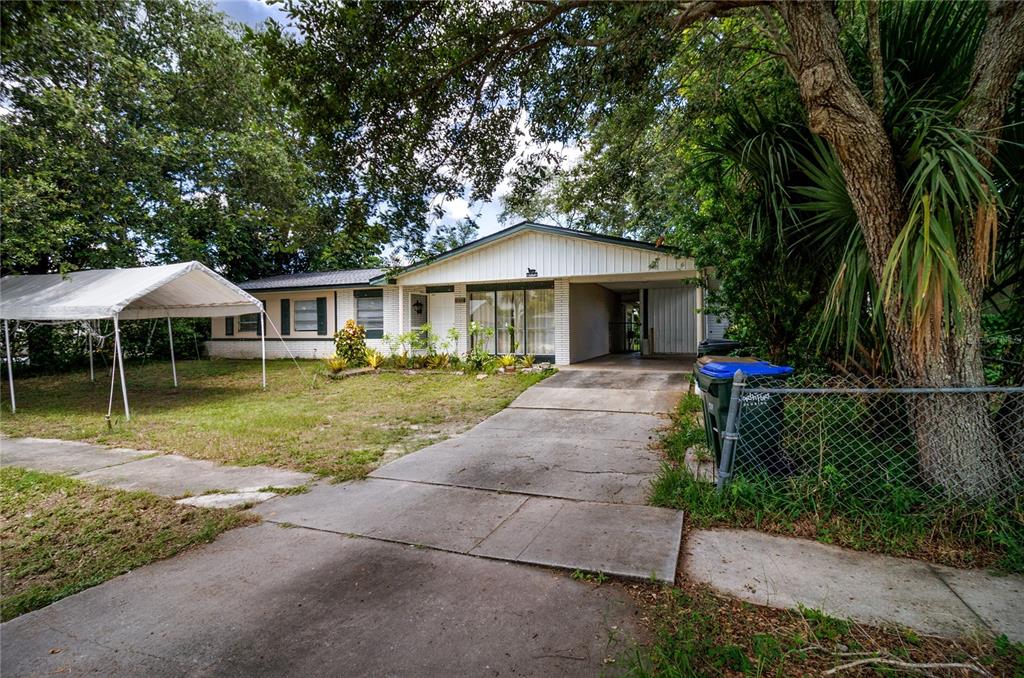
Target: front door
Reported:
[(441, 316)]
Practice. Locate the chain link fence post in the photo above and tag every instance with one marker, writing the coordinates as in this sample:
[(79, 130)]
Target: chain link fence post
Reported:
[(732, 427)]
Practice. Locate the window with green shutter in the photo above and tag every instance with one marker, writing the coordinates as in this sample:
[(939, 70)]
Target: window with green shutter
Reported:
[(229, 326), (321, 315), (286, 317)]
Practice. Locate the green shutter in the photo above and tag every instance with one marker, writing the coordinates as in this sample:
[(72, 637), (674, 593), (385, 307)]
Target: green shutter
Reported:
[(286, 317), (321, 315), (229, 326)]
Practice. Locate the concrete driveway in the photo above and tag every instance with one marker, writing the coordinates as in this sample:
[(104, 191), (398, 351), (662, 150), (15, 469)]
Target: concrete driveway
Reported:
[(559, 479), (300, 594)]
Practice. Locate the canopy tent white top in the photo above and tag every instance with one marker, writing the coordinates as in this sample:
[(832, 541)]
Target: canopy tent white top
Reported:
[(188, 290)]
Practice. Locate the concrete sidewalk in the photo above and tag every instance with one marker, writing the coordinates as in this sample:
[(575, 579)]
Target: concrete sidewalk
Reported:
[(785, 572), (168, 475)]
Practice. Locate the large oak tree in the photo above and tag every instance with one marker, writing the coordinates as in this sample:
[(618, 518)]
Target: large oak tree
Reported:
[(415, 99)]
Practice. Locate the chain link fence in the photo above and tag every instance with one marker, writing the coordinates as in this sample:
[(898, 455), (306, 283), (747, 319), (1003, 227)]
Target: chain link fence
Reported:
[(864, 443)]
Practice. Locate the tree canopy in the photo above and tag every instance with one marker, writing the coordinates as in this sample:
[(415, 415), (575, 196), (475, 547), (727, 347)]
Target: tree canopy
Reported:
[(138, 131)]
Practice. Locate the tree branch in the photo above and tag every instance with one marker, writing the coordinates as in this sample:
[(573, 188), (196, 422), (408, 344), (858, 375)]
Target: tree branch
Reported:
[(997, 64), (875, 57)]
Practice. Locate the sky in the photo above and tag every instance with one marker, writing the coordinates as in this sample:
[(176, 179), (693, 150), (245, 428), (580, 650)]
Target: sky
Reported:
[(486, 214)]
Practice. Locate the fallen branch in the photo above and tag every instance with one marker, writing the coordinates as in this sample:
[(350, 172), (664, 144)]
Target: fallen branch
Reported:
[(907, 665)]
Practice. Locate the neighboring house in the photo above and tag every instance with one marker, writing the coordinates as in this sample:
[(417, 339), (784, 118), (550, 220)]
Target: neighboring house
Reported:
[(559, 294)]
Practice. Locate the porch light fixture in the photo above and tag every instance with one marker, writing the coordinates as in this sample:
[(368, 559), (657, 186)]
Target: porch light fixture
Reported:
[(417, 306)]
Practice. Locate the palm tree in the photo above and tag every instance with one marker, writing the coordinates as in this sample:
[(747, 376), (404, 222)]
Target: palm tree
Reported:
[(955, 187)]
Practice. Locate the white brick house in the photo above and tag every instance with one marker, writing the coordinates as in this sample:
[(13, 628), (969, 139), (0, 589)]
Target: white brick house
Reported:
[(559, 294)]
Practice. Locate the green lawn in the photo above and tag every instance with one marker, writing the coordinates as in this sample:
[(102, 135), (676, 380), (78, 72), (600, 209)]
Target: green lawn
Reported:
[(339, 428), (59, 535)]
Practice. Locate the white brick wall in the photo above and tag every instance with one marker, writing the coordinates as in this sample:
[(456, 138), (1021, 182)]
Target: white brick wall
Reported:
[(235, 348), (561, 322), (346, 306), (392, 311)]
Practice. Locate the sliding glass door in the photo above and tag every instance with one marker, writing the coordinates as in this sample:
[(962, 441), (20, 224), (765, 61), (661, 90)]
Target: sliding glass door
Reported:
[(481, 311), (510, 320), (523, 319), (540, 324)]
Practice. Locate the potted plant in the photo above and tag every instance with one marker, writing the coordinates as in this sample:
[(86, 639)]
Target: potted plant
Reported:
[(507, 362)]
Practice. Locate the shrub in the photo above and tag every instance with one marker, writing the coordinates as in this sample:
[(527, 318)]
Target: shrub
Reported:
[(350, 343), (527, 360), (336, 363), (439, 361), (478, 358), (508, 361), (373, 359)]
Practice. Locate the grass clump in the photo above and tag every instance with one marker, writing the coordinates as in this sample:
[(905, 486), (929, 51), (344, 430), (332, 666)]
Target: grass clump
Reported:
[(331, 428), (866, 509), (698, 633), (60, 536)]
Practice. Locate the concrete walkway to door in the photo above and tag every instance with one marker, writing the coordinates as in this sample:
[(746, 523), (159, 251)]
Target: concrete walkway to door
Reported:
[(559, 478)]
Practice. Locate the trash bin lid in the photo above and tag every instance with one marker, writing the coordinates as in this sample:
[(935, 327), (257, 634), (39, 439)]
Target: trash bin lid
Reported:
[(704, 360), (725, 369)]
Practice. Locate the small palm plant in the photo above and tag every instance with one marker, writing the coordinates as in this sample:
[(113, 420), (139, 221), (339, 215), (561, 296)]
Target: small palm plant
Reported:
[(507, 361)]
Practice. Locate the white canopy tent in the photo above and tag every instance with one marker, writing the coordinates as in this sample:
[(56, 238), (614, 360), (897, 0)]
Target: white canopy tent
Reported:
[(187, 290)]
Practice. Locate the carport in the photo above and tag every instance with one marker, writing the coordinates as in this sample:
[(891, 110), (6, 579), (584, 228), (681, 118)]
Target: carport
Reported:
[(186, 290)]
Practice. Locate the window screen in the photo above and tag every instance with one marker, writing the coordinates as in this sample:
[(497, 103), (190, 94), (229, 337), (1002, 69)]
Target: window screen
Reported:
[(305, 315)]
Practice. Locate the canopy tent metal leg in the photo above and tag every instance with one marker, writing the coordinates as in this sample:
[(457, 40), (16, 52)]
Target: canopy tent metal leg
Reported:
[(92, 370), (120, 364), (10, 366), (170, 338), (263, 346), (113, 376)]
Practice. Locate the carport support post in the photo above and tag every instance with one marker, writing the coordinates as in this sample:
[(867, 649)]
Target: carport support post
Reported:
[(120, 365), (10, 365), (263, 346), (732, 425), (170, 338)]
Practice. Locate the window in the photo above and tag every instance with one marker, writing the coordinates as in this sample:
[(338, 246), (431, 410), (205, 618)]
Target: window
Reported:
[(370, 312), (250, 322), (305, 315), (481, 311)]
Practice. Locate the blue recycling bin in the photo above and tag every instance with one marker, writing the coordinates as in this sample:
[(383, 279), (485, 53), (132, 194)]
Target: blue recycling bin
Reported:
[(715, 380)]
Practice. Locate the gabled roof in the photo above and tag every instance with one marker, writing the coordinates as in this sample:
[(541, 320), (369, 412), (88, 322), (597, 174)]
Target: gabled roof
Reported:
[(358, 277), (522, 227), (186, 290)]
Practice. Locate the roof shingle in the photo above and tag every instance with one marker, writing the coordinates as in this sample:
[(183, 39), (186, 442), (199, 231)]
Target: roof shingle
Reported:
[(352, 277)]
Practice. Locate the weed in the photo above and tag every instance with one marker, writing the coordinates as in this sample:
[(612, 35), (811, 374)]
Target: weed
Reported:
[(698, 633), (286, 491), (823, 627), (596, 578)]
